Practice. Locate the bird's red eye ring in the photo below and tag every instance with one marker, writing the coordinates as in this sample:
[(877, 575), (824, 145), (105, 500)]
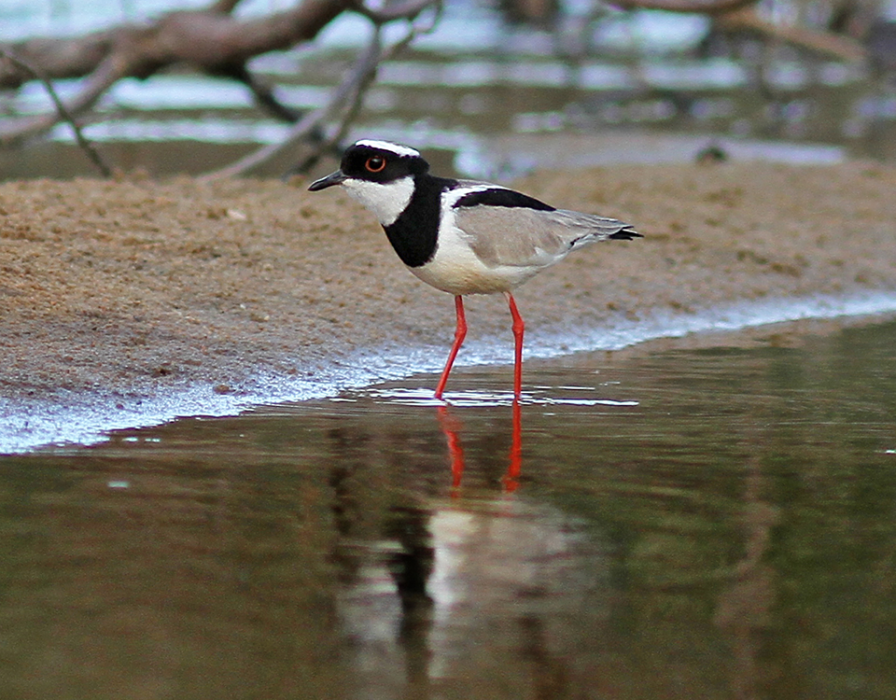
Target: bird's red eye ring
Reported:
[(375, 164)]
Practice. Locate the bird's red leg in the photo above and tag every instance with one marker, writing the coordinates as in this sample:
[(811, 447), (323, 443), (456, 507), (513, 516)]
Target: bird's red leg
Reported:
[(459, 334), (518, 328)]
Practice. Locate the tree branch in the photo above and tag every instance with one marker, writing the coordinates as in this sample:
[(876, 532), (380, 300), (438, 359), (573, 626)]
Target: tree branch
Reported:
[(262, 93)]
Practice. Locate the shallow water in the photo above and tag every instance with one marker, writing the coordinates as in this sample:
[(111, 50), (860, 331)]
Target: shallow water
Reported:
[(713, 521)]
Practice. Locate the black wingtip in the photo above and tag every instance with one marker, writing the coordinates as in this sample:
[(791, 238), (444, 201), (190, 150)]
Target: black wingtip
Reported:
[(626, 234)]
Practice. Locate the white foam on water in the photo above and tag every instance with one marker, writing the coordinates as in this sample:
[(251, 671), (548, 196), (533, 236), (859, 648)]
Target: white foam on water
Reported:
[(86, 419)]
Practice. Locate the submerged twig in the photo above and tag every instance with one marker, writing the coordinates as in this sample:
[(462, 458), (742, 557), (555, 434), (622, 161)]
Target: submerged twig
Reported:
[(62, 111)]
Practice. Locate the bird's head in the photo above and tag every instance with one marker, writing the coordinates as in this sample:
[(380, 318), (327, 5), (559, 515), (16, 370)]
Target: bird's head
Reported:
[(379, 174)]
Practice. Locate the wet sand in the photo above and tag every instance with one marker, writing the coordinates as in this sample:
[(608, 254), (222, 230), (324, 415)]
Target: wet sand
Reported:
[(131, 290)]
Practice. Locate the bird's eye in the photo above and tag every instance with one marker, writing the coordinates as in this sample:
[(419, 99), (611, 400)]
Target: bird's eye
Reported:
[(375, 164)]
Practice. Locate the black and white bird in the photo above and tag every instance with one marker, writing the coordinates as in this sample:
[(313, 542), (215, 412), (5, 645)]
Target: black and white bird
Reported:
[(463, 236)]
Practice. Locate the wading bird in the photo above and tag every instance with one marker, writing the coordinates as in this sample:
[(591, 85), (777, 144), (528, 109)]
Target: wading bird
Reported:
[(463, 236)]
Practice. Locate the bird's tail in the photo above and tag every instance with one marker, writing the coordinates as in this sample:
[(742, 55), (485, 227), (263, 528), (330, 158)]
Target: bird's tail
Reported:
[(591, 228), (626, 232)]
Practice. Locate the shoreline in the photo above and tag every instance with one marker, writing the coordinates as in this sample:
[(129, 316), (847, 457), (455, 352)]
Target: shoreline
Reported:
[(87, 418), (138, 301)]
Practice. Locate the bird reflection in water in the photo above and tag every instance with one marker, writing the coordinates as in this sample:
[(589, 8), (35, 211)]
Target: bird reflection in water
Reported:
[(452, 427), (474, 594)]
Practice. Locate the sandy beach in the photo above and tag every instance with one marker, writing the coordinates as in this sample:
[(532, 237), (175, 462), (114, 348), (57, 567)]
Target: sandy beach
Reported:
[(124, 291)]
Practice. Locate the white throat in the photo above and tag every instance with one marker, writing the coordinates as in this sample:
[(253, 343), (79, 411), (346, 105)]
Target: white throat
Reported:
[(385, 199)]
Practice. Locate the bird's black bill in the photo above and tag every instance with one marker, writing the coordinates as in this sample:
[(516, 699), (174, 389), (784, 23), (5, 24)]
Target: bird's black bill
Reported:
[(328, 181)]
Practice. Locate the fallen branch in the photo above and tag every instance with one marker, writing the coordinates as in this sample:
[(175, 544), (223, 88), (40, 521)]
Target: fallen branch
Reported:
[(345, 99), (310, 122), (820, 42), (208, 40), (62, 112)]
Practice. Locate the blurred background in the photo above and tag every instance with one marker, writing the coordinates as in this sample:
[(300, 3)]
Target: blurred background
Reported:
[(498, 88)]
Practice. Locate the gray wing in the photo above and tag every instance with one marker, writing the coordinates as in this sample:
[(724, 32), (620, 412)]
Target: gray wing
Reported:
[(524, 237)]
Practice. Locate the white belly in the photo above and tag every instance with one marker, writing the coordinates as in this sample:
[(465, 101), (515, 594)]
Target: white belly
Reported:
[(456, 269)]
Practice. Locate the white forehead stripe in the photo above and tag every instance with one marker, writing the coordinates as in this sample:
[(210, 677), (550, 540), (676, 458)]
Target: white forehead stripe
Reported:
[(389, 146)]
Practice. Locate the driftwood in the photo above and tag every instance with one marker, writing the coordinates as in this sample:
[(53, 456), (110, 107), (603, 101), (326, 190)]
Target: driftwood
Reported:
[(210, 41)]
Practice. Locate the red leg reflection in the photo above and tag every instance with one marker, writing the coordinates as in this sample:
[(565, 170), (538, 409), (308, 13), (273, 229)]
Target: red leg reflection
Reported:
[(450, 427), (511, 479), (460, 332)]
